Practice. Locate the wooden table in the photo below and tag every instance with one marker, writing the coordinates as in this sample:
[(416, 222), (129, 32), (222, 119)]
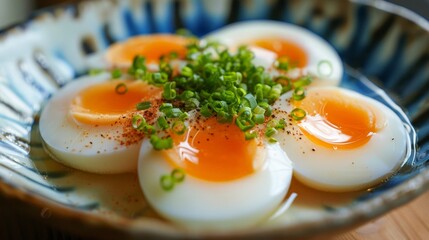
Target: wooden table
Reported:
[(407, 222)]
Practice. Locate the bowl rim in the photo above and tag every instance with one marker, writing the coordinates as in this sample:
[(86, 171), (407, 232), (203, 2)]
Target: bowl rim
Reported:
[(355, 215)]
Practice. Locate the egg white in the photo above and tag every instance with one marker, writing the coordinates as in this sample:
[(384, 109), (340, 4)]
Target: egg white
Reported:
[(317, 49), (216, 206), (338, 170), (83, 146)]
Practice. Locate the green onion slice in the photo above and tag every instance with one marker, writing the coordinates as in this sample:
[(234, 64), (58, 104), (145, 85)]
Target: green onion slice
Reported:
[(270, 132), (178, 127), (249, 135), (167, 182), (178, 175), (138, 122), (143, 105), (116, 73), (298, 114), (298, 94), (121, 88)]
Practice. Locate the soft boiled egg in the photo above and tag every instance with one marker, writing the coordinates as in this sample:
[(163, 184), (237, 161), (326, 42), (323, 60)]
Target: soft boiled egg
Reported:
[(152, 47), (86, 125), (270, 41), (345, 142), (230, 183)]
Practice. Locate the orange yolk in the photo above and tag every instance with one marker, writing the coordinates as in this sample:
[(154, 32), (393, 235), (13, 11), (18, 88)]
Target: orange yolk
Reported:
[(102, 104), (150, 47), (213, 151), (286, 50), (336, 120)]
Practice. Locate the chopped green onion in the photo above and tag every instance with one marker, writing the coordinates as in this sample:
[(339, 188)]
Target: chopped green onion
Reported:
[(143, 105), (93, 72), (244, 124), (173, 55), (302, 82), (178, 127), (162, 123), (187, 72), (192, 103), (258, 110), (165, 106), (161, 143), (148, 129), (298, 94), (139, 63), (324, 68), (258, 118), (206, 111), (173, 113), (183, 116), (161, 78), (266, 107), (251, 100), (270, 132), (121, 88), (178, 175), (167, 182), (281, 124), (169, 91), (116, 73), (138, 122), (298, 114), (250, 135), (184, 32), (282, 64), (272, 140), (285, 82)]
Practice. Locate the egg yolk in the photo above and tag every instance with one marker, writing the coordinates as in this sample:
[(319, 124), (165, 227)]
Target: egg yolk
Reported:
[(336, 120), (105, 102), (151, 47), (285, 50), (214, 151)]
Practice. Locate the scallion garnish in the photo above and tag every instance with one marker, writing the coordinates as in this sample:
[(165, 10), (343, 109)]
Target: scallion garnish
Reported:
[(302, 82), (162, 123), (167, 182), (159, 143), (298, 94), (270, 132), (298, 114), (138, 122), (116, 73), (178, 175), (121, 88), (249, 135), (215, 83), (178, 127), (143, 105)]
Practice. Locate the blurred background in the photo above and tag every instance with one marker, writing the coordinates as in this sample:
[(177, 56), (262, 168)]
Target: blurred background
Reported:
[(13, 11)]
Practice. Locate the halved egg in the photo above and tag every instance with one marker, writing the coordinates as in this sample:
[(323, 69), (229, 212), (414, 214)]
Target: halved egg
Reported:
[(345, 142), (303, 51), (86, 125), (230, 183)]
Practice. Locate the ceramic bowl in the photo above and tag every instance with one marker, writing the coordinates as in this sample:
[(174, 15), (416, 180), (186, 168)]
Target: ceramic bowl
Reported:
[(384, 48)]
